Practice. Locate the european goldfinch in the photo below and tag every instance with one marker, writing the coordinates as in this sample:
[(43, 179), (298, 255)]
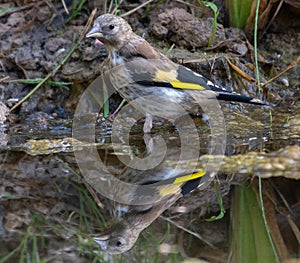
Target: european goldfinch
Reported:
[(145, 72), (137, 71)]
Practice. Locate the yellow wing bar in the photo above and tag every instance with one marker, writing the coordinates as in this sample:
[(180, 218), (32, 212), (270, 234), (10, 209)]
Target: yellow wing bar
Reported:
[(175, 187), (186, 85), (185, 178)]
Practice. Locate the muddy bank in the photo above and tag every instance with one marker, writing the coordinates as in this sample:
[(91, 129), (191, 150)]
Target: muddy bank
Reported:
[(44, 197)]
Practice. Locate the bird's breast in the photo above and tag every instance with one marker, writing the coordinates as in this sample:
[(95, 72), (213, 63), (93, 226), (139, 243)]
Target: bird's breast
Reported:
[(115, 58)]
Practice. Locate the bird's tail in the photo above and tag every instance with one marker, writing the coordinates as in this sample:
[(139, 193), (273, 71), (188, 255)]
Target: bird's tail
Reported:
[(238, 98)]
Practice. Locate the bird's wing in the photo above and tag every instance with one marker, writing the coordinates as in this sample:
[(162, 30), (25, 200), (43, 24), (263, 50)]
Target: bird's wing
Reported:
[(183, 78)]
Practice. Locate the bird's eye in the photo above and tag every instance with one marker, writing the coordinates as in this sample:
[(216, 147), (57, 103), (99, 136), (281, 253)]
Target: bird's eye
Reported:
[(119, 243), (111, 27)]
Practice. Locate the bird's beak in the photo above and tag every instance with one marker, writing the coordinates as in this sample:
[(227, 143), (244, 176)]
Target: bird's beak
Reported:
[(102, 241), (95, 32)]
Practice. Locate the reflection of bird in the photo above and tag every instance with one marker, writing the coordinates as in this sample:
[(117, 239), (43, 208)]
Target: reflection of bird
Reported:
[(121, 236), (169, 180), (157, 85), (146, 72)]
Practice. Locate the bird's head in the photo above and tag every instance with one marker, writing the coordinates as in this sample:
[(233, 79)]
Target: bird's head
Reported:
[(113, 31), (117, 239)]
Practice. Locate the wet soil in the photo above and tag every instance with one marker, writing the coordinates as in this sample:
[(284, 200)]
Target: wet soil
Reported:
[(44, 196)]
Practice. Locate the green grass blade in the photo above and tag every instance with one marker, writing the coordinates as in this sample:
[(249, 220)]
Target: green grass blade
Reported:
[(220, 202), (214, 8), (238, 11), (250, 241)]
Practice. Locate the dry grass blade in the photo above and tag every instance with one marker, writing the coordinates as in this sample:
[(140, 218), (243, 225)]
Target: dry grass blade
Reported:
[(295, 228), (15, 10), (188, 4), (188, 231), (88, 24), (292, 65), (94, 195), (274, 16), (137, 8), (239, 71), (65, 7), (4, 79)]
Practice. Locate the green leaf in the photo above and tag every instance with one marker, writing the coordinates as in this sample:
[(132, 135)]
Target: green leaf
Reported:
[(250, 241), (238, 12)]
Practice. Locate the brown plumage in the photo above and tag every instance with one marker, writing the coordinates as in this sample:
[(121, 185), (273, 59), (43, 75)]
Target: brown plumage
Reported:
[(121, 236), (161, 78), (117, 36), (139, 72)]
